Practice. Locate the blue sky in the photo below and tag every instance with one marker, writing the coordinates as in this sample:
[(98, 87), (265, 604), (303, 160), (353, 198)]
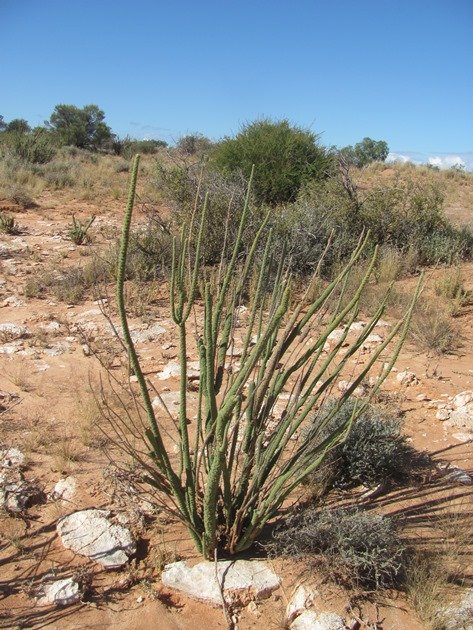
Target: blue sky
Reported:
[(397, 70)]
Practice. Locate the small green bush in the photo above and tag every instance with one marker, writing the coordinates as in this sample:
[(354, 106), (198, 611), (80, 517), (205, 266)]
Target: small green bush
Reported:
[(355, 547), (8, 225), (286, 157), (374, 451), (78, 232), (35, 147)]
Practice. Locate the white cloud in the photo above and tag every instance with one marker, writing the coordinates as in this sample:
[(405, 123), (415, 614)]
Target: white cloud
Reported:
[(400, 157), (447, 161), (440, 160)]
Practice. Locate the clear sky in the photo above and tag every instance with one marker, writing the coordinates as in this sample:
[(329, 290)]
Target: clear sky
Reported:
[(397, 70)]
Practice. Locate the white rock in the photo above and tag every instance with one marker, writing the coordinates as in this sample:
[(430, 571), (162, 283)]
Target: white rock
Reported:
[(381, 323), (462, 417), (242, 581), (64, 489), (149, 334), (442, 414), (301, 600), (60, 593), (422, 397), (336, 334), (460, 475), (10, 457), (407, 378), (309, 620), (169, 398), (356, 326), (90, 533), (13, 331), (344, 386), (171, 370), (373, 339), (462, 399), (463, 437), (460, 617)]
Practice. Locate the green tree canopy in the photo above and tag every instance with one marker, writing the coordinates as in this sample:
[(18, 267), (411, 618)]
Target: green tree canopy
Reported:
[(366, 151), (285, 157), (81, 127), (19, 125)]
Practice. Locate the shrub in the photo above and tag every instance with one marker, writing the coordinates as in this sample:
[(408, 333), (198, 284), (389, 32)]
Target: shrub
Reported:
[(356, 548), (186, 186), (36, 147), (235, 466), (150, 252), (373, 452), (194, 144), (78, 232), (433, 329), (8, 224), (19, 195), (286, 157)]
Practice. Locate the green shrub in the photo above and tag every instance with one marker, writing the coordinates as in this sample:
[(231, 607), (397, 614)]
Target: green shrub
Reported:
[(374, 451), (186, 186), (8, 225), (128, 147), (78, 232), (286, 157), (355, 547), (434, 330), (194, 144), (36, 147)]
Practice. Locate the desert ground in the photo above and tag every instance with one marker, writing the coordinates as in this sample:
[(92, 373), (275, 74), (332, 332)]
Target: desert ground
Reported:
[(56, 352)]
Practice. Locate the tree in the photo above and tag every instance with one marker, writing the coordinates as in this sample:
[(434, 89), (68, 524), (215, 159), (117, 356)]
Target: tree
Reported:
[(285, 156), (84, 128), (365, 152), (19, 125), (193, 144), (2, 123)]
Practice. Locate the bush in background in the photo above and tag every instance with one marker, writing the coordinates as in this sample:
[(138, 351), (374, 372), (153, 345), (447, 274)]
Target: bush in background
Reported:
[(286, 157)]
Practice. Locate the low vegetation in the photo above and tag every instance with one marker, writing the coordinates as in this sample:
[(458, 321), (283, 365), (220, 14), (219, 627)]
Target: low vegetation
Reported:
[(353, 547)]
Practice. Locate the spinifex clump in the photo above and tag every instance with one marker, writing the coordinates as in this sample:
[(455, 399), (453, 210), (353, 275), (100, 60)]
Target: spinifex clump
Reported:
[(239, 460)]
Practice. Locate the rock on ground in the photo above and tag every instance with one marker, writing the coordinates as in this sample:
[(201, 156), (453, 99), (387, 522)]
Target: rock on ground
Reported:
[(10, 457), (91, 533), (60, 593), (310, 620), (300, 601), (242, 581), (460, 617), (64, 489)]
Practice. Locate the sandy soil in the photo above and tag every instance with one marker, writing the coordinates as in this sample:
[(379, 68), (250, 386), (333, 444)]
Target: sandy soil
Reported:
[(48, 380)]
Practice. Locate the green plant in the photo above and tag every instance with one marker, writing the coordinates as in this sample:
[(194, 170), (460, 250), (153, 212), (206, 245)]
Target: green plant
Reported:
[(35, 147), (8, 224), (286, 157), (78, 230), (365, 152), (451, 285), (355, 547), (186, 186), (236, 465), (81, 127), (374, 451), (434, 330)]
